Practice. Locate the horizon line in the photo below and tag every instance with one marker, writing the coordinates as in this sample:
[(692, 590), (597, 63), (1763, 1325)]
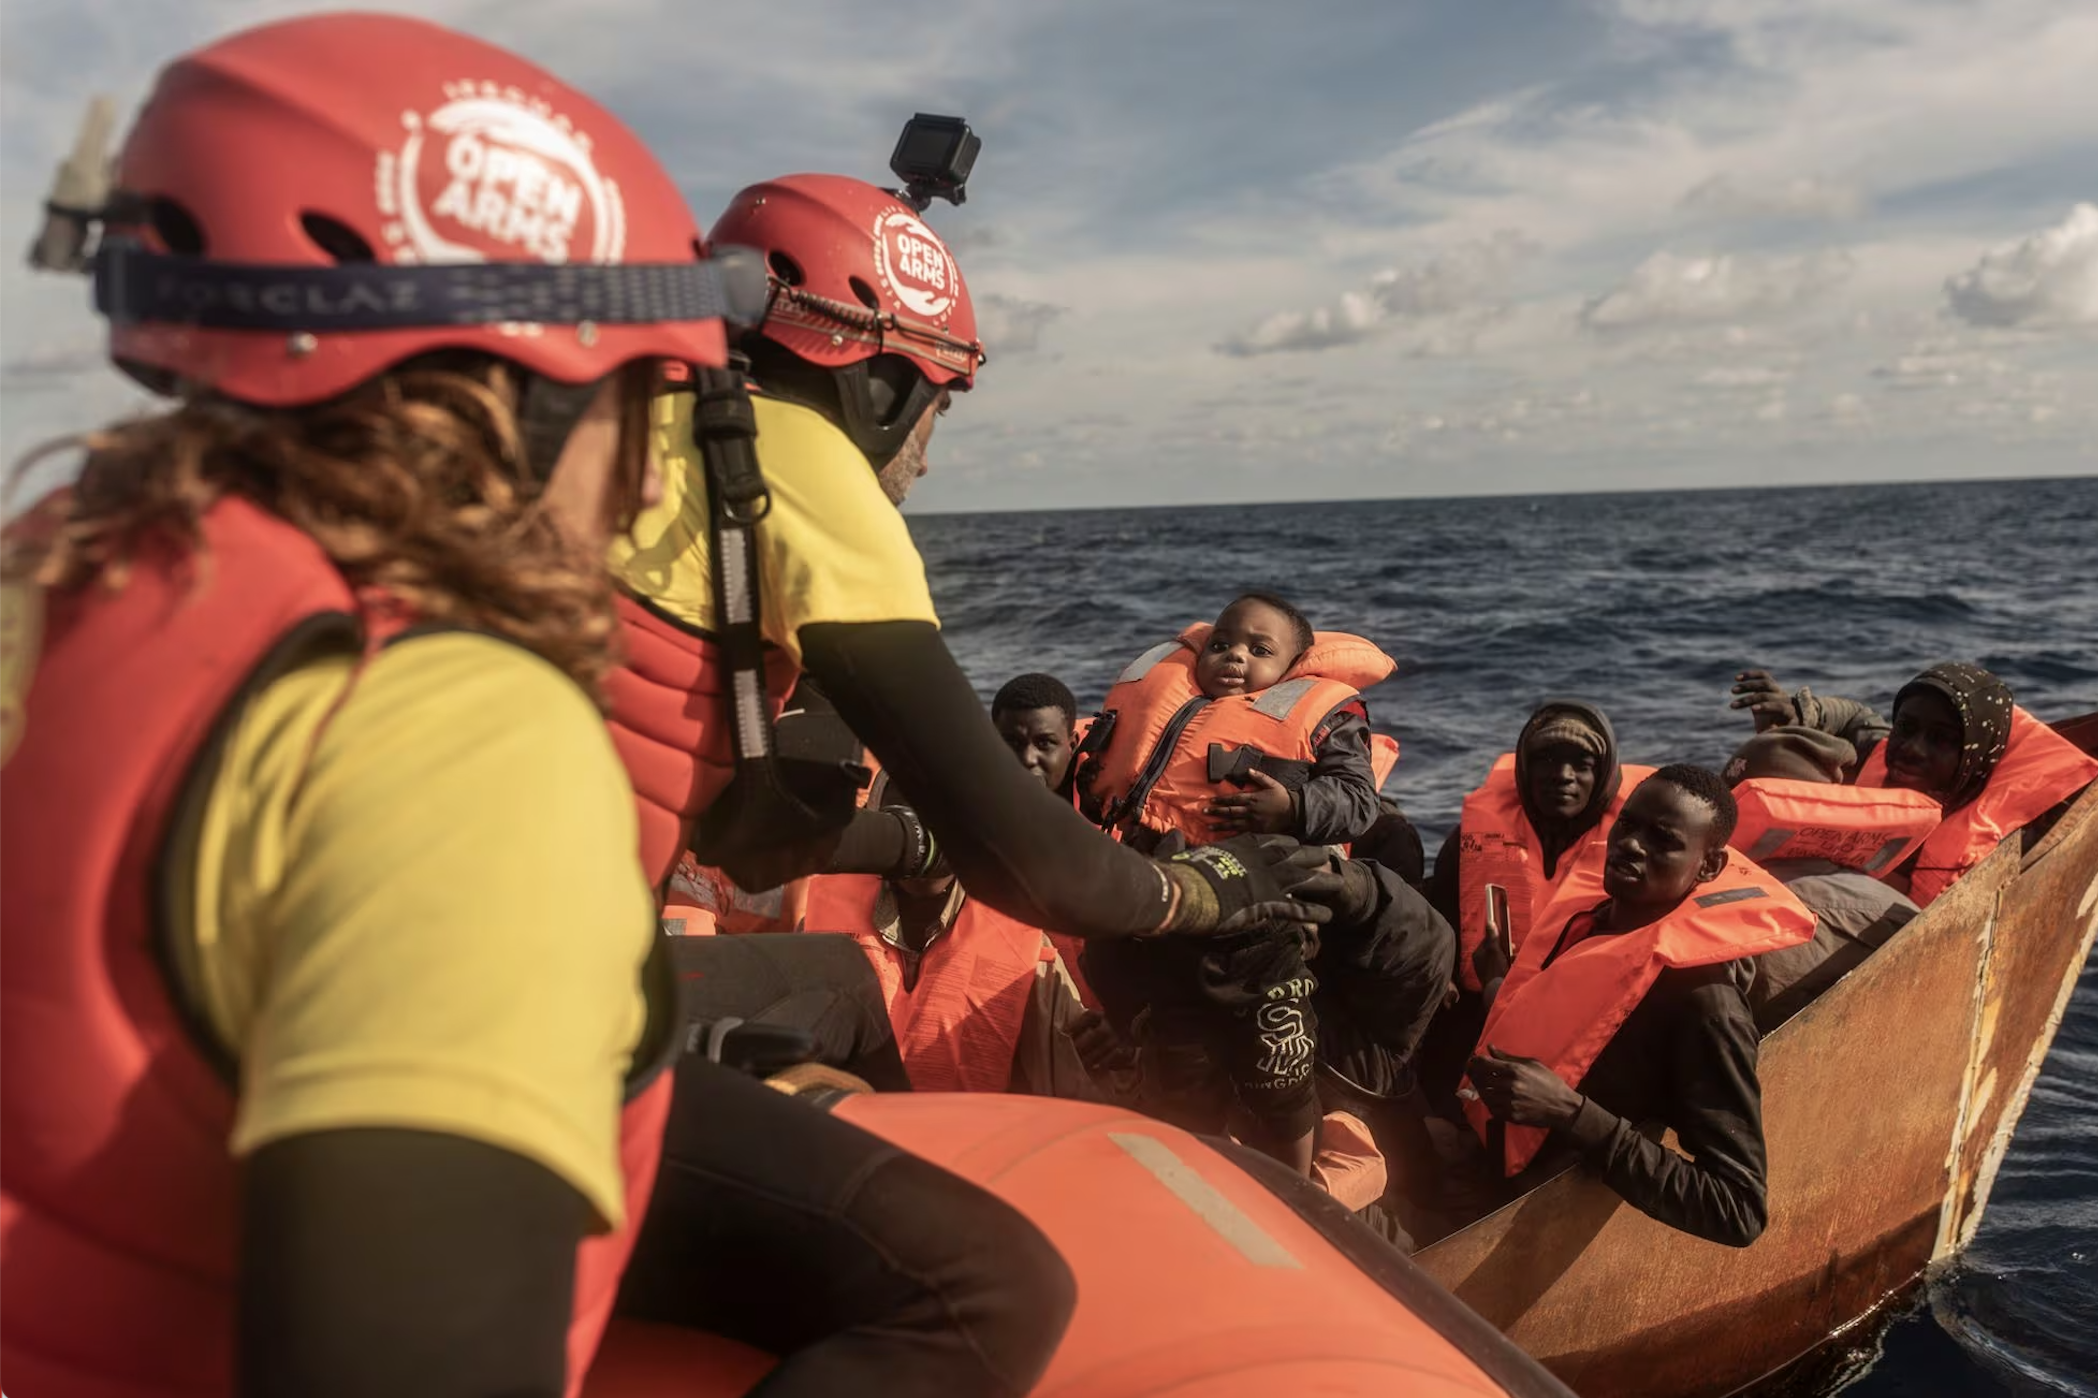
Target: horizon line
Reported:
[(1602, 492)]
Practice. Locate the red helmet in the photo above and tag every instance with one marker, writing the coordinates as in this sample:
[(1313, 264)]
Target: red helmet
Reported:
[(305, 204), (855, 274)]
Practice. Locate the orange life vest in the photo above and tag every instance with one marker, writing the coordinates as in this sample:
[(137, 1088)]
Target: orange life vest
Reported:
[(709, 901), (958, 1008), (1498, 847), (1384, 757), (668, 702), (2039, 769), (1155, 769), (118, 1200), (1870, 829), (1566, 1013)]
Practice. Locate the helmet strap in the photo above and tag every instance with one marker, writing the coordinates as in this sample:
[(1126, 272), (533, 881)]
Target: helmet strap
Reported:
[(879, 435)]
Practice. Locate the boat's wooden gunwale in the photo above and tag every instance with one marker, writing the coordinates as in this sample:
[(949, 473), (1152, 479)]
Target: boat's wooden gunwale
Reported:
[(1883, 1142)]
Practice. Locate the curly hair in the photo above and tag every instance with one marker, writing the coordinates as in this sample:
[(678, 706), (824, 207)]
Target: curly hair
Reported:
[(413, 484), (1035, 691), (1300, 625)]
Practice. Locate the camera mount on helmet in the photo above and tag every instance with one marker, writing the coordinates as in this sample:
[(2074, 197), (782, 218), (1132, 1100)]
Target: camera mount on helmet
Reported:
[(933, 158)]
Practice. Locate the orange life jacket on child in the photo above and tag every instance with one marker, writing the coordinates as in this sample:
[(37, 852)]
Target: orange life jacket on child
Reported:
[(119, 1205), (1155, 770), (959, 1007), (2039, 769), (1870, 829), (1498, 847), (1566, 1013)]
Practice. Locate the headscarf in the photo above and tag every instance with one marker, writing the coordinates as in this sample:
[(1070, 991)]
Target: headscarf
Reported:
[(1983, 704), (1586, 726)]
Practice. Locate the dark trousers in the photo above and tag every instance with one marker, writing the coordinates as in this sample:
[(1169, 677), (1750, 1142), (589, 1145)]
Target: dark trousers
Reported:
[(865, 1268)]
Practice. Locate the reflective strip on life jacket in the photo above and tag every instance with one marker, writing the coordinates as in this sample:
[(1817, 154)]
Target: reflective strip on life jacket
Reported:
[(1566, 1013), (1499, 849), (1155, 771), (1870, 829), (2039, 770), (958, 1019), (118, 1200)]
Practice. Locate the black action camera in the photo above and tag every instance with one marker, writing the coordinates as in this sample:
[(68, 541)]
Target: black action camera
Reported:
[(933, 159)]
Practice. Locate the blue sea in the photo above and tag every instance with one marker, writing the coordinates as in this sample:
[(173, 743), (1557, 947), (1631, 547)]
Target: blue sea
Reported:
[(1647, 604)]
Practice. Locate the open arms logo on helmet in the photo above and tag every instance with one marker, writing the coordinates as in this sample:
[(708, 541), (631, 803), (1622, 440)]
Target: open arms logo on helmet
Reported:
[(915, 264), (493, 171)]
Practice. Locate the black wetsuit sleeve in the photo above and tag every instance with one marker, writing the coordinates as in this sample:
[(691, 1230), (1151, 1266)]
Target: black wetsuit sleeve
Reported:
[(1714, 1189), (1443, 881), (1339, 800), (1012, 842), (408, 1263)]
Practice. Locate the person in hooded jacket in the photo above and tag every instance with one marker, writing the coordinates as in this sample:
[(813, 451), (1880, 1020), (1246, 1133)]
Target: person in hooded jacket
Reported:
[(1544, 808), (1959, 736)]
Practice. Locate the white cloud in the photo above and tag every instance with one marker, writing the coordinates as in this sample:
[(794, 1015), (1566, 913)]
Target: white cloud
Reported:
[(1011, 325), (1745, 376), (1941, 364), (1805, 199), (1668, 289), (1470, 276), (2044, 281)]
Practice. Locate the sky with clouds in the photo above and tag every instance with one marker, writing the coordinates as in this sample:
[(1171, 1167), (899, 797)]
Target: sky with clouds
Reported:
[(1243, 251)]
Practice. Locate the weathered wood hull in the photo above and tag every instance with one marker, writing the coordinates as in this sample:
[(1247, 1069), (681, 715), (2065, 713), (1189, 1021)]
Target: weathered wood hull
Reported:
[(1888, 1105)]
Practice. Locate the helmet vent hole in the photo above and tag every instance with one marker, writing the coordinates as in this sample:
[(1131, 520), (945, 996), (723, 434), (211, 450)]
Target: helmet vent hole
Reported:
[(785, 268), (865, 293), (337, 239), (177, 229)]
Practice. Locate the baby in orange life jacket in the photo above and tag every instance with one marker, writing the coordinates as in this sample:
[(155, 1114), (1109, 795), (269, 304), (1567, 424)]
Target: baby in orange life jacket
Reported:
[(1254, 723)]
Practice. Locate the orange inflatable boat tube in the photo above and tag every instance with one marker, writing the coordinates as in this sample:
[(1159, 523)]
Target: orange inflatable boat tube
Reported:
[(1200, 1272)]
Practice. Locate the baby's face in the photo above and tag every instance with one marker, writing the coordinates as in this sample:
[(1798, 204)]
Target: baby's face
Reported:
[(1252, 646)]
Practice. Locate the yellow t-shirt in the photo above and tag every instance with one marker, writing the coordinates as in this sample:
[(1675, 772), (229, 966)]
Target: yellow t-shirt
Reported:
[(432, 916), (832, 549)]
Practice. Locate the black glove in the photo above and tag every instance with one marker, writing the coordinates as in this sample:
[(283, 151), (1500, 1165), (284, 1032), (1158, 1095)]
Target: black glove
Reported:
[(1351, 896), (1248, 880)]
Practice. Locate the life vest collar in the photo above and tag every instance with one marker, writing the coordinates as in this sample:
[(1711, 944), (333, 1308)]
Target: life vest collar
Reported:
[(1332, 655)]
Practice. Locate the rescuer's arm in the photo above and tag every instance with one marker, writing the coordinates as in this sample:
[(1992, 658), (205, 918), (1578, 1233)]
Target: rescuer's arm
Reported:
[(408, 1263), (446, 971), (1715, 1188), (1013, 843)]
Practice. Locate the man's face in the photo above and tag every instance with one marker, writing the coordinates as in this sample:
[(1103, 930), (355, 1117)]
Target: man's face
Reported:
[(907, 465), (1661, 847), (1923, 751), (1041, 739), (1252, 646), (1562, 778)]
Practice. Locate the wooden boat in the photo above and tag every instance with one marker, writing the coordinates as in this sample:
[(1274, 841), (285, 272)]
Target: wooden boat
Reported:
[(1888, 1106)]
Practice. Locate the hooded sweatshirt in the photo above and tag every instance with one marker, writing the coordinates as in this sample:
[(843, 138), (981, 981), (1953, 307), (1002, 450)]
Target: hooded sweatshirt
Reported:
[(1553, 720)]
